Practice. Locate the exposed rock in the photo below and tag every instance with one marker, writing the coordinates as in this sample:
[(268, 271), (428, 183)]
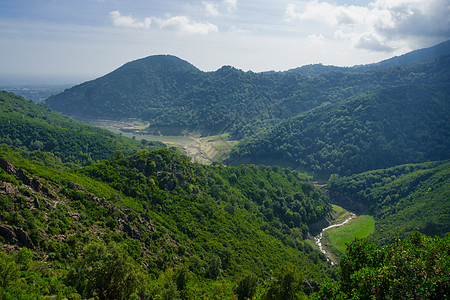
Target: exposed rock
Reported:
[(75, 186), (7, 166), (36, 203), (76, 217), (110, 207), (16, 236), (37, 186), (34, 183), (130, 231), (9, 189)]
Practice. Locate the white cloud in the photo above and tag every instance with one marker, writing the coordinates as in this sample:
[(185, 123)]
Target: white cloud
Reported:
[(317, 39), (384, 25), (231, 5), (178, 24), (211, 8), (182, 25), (215, 8), (128, 21)]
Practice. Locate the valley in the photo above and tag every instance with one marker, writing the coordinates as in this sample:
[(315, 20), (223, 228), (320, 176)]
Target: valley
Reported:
[(162, 181), (204, 150), (319, 238)]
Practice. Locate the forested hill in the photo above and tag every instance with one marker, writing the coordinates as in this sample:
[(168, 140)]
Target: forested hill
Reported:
[(151, 225), (174, 96), (414, 57), (28, 126), (406, 124), (401, 198)]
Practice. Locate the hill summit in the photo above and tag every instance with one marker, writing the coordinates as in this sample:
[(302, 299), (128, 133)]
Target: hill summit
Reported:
[(175, 97)]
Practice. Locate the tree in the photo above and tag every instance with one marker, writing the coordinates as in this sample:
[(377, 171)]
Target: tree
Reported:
[(285, 285), (106, 272), (246, 287), (214, 266), (415, 268)]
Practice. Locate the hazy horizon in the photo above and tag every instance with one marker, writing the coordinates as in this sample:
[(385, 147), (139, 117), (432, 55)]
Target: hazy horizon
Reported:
[(72, 42)]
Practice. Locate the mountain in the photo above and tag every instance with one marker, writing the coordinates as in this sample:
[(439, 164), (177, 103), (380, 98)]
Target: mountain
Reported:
[(406, 124), (174, 97), (28, 126), (149, 224), (413, 57), (140, 224), (144, 216), (401, 198)]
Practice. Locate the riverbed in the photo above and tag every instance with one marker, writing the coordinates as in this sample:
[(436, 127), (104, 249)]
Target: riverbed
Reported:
[(319, 237)]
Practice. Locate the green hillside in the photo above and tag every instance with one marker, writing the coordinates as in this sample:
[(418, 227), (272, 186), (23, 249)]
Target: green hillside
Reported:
[(166, 211), (156, 212), (400, 199), (28, 126), (406, 124), (175, 97), (414, 268), (88, 214)]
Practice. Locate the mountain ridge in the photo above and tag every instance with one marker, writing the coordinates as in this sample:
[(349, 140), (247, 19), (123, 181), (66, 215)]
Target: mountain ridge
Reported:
[(405, 124), (415, 56), (175, 97)]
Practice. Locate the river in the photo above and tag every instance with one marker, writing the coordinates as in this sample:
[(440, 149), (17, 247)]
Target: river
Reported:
[(319, 237)]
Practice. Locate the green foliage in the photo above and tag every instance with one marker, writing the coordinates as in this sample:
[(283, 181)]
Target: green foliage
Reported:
[(337, 238), (415, 268), (285, 285), (50, 135), (169, 214), (211, 215), (22, 277), (400, 199), (246, 287), (407, 124), (106, 272), (174, 96)]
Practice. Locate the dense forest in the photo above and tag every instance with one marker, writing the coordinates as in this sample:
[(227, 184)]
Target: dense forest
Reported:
[(401, 199), (185, 229), (415, 268), (406, 124), (33, 127), (159, 211), (175, 97), (155, 225), (88, 214)]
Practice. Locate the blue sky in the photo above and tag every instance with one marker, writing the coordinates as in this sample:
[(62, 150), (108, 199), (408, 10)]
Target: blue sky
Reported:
[(74, 41)]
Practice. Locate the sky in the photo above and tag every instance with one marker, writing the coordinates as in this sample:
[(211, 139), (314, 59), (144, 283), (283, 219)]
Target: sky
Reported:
[(67, 41)]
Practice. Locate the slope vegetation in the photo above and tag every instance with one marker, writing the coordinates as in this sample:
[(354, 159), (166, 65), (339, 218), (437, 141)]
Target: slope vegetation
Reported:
[(406, 124), (32, 127), (400, 199), (175, 97), (164, 212)]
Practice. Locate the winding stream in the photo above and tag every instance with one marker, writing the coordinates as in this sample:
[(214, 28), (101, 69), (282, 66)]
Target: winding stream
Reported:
[(319, 237)]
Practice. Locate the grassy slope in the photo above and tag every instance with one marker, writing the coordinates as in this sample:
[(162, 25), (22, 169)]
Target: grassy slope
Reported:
[(334, 240), (400, 199), (32, 127), (337, 238)]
